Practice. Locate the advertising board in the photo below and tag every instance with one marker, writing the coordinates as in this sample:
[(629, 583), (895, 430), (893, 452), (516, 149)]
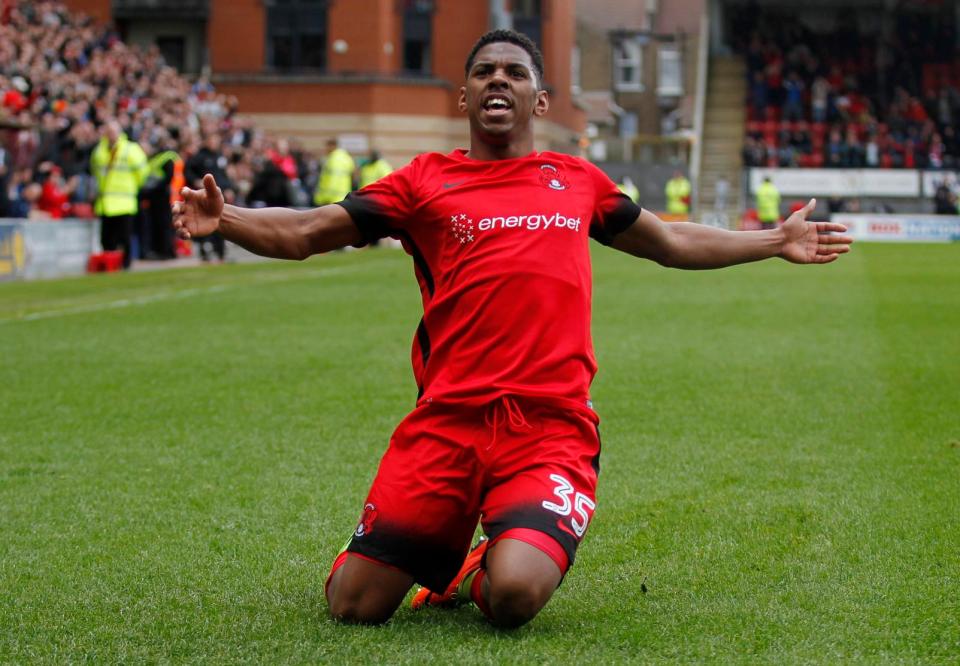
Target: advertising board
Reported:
[(901, 228)]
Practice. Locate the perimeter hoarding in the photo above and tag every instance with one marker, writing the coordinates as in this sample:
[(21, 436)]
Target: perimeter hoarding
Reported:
[(42, 249), (841, 182), (901, 228)]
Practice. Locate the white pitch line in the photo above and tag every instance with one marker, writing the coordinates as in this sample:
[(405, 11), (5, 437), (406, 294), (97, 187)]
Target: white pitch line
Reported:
[(170, 294)]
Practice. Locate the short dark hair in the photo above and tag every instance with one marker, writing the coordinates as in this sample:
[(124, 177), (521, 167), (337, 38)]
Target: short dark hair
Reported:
[(511, 37)]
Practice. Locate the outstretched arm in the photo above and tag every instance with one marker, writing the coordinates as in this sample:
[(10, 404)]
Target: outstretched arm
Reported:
[(282, 233), (696, 246)]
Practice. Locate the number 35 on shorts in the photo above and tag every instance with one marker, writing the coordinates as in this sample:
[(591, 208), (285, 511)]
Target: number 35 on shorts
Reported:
[(571, 502)]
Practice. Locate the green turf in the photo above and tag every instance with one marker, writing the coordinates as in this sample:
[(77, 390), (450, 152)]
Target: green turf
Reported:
[(182, 453)]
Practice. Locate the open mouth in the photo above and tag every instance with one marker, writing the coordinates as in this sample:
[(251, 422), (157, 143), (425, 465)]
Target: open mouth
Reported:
[(496, 105)]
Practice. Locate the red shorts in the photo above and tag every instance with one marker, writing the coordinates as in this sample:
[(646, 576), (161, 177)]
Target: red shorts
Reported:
[(515, 463)]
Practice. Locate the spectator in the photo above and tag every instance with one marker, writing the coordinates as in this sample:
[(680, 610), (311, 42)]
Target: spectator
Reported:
[(754, 154), (945, 201), (284, 161), (4, 183), (819, 95), (162, 189), (375, 168), (787, 153), (721, 193), (210, 159), (793, 98), (58, 87), (853, 153), (270, 187), (55, 192), (120, 168), (336, 176), (801, 142), (836, 150), (909, 155), (768, 204), (759, 95), (871, 152), (935, 153), (678, 194), (839, 68)]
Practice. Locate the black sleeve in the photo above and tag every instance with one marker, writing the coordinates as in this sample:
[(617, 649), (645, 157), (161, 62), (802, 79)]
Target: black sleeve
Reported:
[(366, 214), (620, 213)]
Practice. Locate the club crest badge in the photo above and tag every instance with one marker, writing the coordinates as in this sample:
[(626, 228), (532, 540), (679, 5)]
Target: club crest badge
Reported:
[(551, 177)]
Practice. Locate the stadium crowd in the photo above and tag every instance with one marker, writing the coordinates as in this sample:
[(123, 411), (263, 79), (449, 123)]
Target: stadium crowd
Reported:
[(64, 79), (849, 100)]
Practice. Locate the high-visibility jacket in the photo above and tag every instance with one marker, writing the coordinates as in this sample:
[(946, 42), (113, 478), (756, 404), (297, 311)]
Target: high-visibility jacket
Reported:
[(120, 172), (678, 196), (336, 178), (178, 182), (768, 202), (157, 165), (371, 172), (630, 190)]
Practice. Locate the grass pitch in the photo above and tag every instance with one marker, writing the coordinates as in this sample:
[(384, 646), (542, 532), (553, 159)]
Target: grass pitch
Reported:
[(182, 453)]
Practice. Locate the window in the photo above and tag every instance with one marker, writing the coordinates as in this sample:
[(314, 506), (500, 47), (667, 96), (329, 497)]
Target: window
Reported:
[(173, 49), (527, 19), (669, 72), (627, 62), (297, 34), (417, 36)]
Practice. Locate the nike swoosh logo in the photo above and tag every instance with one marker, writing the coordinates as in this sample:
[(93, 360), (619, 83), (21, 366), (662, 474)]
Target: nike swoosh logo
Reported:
[(447, 186)]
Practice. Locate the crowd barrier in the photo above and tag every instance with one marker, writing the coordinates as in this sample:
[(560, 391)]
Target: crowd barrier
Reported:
[(38, 249)]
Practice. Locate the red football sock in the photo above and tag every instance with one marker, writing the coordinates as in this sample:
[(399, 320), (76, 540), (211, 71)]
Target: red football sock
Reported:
[(476, 592)]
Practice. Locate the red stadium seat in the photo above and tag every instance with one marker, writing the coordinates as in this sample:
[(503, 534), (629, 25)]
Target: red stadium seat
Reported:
[(105, 262), (770, 132)]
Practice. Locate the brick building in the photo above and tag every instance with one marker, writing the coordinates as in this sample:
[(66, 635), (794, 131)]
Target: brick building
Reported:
[(637, 75), (383, 73)]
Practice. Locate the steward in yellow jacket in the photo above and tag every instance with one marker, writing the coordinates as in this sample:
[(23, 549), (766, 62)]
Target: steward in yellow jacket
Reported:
[(336, 176), (678, 195), (374, 169), (768, 204), (120, 168)]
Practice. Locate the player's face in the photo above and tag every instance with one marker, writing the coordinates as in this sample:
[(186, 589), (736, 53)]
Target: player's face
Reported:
[(502, 93)]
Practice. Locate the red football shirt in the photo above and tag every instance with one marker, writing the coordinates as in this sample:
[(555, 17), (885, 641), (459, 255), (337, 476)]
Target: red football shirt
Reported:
[(500, 251)]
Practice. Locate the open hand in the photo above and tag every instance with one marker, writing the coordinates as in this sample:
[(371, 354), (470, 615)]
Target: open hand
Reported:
[(812, 242), (199, 212)]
